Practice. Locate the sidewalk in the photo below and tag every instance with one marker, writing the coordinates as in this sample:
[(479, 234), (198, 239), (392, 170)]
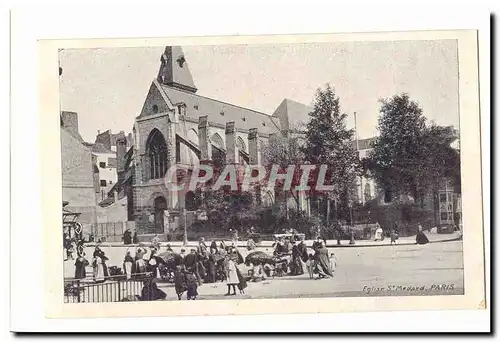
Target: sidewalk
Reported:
[(409, 240)]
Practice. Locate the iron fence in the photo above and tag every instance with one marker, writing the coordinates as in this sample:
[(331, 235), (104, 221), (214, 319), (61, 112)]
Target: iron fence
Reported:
[(110, 231), (112, 289)]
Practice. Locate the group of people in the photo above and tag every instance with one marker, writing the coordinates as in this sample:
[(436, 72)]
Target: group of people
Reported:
[(319, 262), (71, 247)]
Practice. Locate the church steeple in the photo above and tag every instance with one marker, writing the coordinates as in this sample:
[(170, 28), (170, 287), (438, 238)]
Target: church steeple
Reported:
[(174, 70)]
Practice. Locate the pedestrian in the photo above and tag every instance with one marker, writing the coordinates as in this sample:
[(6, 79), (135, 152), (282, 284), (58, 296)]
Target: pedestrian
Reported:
[(169, 248), (155, 242), (242, 282), (235, 237), (202, 248), (394, 236), (310, 264), (66, 246), (135, 238), (212, 266), (296, 266), (140, 264), (192, 286), (421, 239), (127, 237), (322, 261), (80, 265), (128, 262), (231, 276), (98, 266), (191, 263), (251, 244), (379, 234), (150, 291), (333, 262), (180, 281)]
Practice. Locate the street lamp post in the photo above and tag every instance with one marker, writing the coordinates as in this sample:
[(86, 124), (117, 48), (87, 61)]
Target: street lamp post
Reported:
[(351, 242), (185, 237)]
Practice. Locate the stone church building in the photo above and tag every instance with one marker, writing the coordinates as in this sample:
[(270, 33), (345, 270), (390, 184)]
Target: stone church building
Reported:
[(178, 126)]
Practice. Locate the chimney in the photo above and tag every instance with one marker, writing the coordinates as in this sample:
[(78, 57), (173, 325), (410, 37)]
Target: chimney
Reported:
[(203, 138), (254, 147), (70, 121), (121, 150), (231, 149)]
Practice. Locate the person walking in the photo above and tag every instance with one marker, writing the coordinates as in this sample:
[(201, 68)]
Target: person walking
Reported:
[(127, 237), (421, 239), (191, 263), (180, 281), (128, 262), (231, 276), (192, 286), (80, 265)]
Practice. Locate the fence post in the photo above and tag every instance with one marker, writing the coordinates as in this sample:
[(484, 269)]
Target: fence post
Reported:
[(119, 290), (78, 290)]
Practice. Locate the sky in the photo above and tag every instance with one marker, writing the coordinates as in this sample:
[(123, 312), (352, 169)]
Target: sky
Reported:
[(107, 87)]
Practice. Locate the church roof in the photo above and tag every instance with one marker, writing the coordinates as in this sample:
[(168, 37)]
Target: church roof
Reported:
[(98, 148), (292, 114), (222, 112)]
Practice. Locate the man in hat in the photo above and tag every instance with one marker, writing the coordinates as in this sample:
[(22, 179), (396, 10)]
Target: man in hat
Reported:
[(169, 248), (203, 248), (191, 263)]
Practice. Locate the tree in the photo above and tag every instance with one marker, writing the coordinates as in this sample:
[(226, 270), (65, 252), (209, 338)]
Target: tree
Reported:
[(330, 143), (410, 157), (284, 150), (397, 154)]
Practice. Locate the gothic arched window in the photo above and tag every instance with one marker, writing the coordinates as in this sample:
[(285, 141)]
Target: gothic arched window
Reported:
[(217, 141), (157, 153), (241, 144)]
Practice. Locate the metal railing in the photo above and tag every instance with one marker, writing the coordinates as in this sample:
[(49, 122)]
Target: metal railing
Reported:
[(111, 289)]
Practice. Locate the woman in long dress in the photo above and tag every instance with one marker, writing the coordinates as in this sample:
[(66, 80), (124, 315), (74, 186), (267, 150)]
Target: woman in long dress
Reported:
[(98, 268), (128, 262), (242, 282), (421, 239), (231, 276), (296, 268), (80, 265), (322, 261)]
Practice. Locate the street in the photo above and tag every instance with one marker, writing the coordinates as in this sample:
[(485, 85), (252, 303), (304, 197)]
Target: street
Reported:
[(433, 269)]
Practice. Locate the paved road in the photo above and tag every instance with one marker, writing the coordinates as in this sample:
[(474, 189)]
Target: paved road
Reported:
[(365, 271)]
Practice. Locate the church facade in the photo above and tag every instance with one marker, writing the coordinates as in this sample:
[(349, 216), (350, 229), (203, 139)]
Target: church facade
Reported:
[(177, 126)]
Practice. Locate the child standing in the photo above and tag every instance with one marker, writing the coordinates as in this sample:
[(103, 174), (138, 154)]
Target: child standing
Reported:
[(192, 286), (310, 265)]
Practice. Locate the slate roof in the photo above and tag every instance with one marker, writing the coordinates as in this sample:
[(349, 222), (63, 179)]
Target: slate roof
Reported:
[(244, 118), (99, 148)]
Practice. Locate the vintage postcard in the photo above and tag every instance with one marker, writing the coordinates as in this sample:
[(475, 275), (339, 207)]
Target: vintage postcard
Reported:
[(252, 175)]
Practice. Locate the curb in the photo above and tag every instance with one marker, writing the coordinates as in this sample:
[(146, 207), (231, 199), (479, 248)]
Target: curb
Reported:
[(164, 244), (399, 244)]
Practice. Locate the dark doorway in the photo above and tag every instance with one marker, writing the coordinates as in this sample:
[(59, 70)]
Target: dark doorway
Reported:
[(160, 207), (190, 201)]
